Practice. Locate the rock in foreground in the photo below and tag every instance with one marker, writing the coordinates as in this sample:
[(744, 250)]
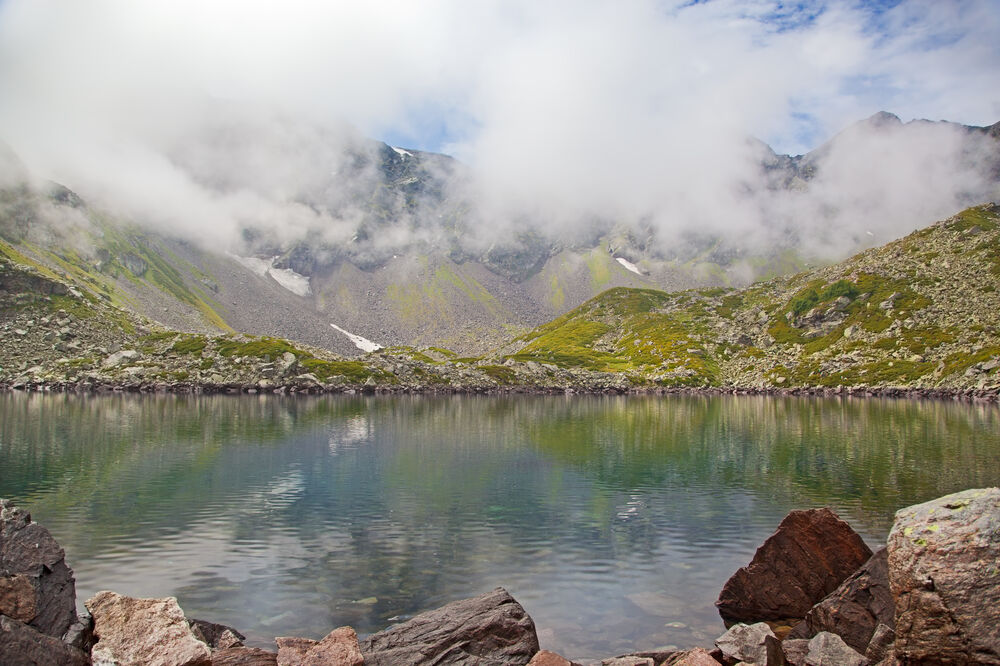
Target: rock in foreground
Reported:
[(489, 630), (944, 572), (147, 632), (36, 585), (856, 608), (809, 555)]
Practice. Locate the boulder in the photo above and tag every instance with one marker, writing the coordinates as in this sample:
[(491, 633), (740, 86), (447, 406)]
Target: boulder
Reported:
[(944, 571), (809, 555), (22, 645), (216, 636), (795, 650), (491, 629), (151, 632), (292, 650), (695, 657), (745, 642), (243, 656), (36, 586), (339, 647), (826, 649), (546, 658), (854, 609), (881, 644)]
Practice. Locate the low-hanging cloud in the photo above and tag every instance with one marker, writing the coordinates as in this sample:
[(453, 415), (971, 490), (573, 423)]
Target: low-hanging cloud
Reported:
[(211, 118)]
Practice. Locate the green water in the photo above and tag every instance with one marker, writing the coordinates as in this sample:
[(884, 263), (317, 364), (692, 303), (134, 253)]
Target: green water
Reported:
[(613, 520)]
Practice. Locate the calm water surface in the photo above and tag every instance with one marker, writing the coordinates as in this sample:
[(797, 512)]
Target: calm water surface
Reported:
[(613, 520)]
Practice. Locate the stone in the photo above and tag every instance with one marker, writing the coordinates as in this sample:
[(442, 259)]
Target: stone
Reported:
[(36, 585), (22, 645), (629, 661), (795, 650), (339, 647), (695, 657), (244, 656), (809, 555), (745, 642), (881, 644), (854, 609), (120, 358), (216, 636), (292, 650), (546, 658), (944, 572), (81, 633), (489, 630), (151, 632), (826, 649)]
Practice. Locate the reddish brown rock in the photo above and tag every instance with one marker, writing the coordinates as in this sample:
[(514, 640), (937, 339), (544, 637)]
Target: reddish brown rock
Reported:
[(546, 658), (809, 555), (695, 657), (244, 656), (339, 647), (292, 650), (147, 632), (944, 571), (854, 609), (795, 650), (489, 630), (30, 557), (22, 645)]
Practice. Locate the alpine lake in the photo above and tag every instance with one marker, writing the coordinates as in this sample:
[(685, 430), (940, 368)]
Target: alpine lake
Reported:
[(614, 520)]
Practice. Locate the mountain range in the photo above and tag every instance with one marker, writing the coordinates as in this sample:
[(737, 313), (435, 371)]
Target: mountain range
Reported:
[(440, 303)]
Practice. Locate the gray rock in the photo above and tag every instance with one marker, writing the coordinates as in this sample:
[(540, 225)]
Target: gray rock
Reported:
[(826, 649), (944, 571), (21, 645), (881, 644), (216, 636), (120, 358), (745, 642), (36, 585), (489, 630), (795, 650)]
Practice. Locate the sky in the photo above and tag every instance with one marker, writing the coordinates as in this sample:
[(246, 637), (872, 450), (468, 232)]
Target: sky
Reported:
[(563, 107)]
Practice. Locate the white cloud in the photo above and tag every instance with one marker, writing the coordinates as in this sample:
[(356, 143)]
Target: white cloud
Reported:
[(564, 109)]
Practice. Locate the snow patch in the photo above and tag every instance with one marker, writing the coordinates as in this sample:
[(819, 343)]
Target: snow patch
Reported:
[(402, 153), (629, 265), (294, 282), (364, 344)]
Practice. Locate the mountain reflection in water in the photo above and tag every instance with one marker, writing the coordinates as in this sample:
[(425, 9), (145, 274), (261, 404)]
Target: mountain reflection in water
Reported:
[(613, 520)]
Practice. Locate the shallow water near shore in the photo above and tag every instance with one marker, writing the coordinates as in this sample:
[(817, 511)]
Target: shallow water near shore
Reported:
[(613, 520)]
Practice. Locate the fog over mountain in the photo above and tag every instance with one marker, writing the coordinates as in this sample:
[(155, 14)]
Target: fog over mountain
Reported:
[(249, 125)]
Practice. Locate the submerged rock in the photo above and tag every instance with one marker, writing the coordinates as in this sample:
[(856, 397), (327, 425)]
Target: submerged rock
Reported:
[(854, 609), (151, 632), (489, 630), (36, 585), (944, 571), (809, 555)]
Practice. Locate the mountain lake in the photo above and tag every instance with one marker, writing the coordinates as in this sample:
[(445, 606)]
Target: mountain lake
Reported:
[(614, 521)]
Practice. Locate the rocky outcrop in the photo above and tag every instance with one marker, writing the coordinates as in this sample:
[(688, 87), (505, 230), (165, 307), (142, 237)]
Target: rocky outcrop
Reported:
[(22, 645), (36, 585), (491, 629), (809, 555), (150, 632), (854, 609), (944, 572)]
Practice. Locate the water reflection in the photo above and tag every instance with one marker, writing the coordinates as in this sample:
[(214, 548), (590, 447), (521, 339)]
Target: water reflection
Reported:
[(613, 520)]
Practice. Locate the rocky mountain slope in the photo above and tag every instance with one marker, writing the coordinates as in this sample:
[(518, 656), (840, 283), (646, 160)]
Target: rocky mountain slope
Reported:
[(922, 312), (406, 263)]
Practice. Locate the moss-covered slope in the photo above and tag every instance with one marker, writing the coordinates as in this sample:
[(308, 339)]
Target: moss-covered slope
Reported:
[(922, 312)]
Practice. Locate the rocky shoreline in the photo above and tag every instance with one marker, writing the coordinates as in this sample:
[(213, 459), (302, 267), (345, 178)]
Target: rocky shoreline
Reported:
[(989, 395), (814, 594)]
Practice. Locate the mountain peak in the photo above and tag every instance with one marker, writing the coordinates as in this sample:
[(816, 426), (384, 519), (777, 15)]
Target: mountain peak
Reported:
[(883, 119)]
